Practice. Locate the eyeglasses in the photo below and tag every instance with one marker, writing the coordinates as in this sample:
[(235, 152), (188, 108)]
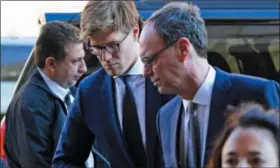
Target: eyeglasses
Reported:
[(113, 48), (148, 60)]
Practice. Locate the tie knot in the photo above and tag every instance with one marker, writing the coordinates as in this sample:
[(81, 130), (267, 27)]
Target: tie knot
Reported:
[(192, 106), (67, 100), (125, 78), (67, 96)]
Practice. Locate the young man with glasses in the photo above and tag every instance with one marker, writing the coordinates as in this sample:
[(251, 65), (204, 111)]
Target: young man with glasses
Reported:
[(173, 47), (116, 107)]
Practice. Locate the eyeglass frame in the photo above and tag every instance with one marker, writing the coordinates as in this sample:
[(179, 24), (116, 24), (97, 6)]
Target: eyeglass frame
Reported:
[(102, 48), (148, 60)]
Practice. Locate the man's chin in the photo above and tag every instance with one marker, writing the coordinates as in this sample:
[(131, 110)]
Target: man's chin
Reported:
[(111, 72), (72, 84), (165, 90)]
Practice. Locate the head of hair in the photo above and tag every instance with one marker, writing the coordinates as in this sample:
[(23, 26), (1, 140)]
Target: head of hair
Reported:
[(140, 24), (103, 16), (246, 115), (181, 19), (53, 40)]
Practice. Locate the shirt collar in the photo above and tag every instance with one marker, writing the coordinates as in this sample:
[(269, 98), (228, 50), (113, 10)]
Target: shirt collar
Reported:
[(58, 90), (203, 95), (137, 68)]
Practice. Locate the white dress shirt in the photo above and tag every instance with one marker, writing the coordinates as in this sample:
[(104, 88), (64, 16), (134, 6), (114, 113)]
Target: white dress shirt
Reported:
[(203, 99), (137, 85), (58, 90)]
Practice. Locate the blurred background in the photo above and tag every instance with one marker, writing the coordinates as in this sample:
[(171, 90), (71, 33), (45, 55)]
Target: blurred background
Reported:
[(243, 37), (19, 30)]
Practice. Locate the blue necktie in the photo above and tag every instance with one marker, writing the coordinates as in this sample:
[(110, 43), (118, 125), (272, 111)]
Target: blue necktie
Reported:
[(67, 100)]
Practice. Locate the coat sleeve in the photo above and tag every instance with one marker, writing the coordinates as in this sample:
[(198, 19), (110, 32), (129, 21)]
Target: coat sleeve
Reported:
[(272, 94), (76, 139), (36, 145)]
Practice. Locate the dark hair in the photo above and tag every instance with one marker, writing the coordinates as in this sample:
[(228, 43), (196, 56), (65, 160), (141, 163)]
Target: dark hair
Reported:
[(140, 23), (53, 40), (245, 115), (181, 19)]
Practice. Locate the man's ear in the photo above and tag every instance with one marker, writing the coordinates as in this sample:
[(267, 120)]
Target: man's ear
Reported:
[(50, 64), (184, 48), (136, 33)]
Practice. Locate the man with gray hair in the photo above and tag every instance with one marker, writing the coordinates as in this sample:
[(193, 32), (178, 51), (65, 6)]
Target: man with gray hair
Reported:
[(116, 107), (173, 48)]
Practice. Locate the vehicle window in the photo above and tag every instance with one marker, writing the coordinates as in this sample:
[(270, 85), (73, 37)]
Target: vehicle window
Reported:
[(247, 48)]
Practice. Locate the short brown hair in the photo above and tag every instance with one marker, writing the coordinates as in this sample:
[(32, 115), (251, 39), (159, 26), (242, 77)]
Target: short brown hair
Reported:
[(101, 16), (52, 41), (245, 115)]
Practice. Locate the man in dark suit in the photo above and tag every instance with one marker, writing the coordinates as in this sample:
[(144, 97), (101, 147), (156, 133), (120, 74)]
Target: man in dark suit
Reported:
[(173, 47), (115, 107), (37, 112)]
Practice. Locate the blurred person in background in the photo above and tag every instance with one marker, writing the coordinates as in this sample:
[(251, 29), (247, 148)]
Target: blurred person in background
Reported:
[(37, 112), (116, 107), (250, 139), (173, 48), (3, 157)]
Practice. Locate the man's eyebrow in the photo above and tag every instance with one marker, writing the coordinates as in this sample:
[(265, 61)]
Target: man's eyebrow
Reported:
[(108, 43), (78, 59), (113, 42), (103, 45), (254, 153), (144, 54), (231, 153)]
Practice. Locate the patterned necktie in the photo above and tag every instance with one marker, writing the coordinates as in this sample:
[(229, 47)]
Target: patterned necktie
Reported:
[(131, 127), (193, 138), (183, 142), (67, 100)]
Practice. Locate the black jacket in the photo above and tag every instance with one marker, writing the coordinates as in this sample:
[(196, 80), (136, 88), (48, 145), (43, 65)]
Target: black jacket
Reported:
[(34, 120)]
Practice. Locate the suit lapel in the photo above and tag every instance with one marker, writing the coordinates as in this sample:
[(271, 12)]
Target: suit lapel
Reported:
[(112, 126), (153, 103), (174, 129), (219, 100)]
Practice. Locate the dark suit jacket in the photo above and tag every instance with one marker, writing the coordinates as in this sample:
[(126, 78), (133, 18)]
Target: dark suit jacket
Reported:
[(34, 120), (93, 118), (227, 89)]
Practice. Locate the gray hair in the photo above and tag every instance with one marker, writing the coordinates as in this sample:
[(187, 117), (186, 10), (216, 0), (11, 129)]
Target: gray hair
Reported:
[(181, 19)]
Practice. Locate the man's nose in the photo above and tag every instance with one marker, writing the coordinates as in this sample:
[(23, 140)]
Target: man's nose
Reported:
[(243, 164), (83, 67), (106, 55), (148, 71)]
